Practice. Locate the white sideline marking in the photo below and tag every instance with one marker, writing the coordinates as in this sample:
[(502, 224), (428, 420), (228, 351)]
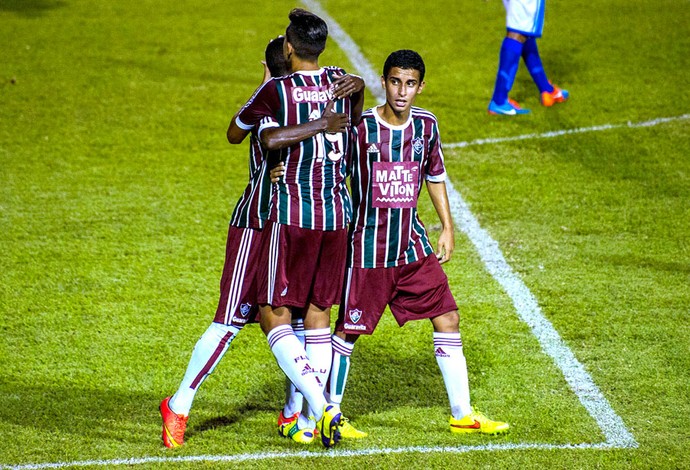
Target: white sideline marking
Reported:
[(527, 307), (611, 425), (306, 455), (580, 130)]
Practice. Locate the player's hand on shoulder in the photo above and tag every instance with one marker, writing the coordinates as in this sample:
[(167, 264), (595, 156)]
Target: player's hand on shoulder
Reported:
[(346, 85)]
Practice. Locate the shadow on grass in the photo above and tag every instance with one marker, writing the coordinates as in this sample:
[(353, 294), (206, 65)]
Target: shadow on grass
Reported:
[(30, 8), (379, 382)]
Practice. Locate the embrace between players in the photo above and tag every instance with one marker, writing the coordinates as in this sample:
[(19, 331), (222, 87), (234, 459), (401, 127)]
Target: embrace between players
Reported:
[(299, 242)]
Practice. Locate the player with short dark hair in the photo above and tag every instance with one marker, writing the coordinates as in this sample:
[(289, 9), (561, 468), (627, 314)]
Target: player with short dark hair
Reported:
[(391, 260), (303, 253)]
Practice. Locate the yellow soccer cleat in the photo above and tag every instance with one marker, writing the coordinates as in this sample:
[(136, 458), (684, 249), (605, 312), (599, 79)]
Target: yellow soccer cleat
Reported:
[(476, 422), (291, 430), (348, 431), (329, 425)]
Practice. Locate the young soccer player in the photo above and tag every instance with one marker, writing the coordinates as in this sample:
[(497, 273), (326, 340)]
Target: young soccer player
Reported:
[(303, 251), (391, 260), (237, 305), (524, 24)]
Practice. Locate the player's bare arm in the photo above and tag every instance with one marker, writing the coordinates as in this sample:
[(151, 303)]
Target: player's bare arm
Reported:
[(235, 133), (274, 138), (352, 86), (439, 198)]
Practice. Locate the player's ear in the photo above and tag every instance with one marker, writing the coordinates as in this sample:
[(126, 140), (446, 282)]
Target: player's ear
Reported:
[(288, 50), (383, 82), (421, 87)]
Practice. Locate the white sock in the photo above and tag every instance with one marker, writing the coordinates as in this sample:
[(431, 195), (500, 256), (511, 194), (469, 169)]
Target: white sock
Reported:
[(342, 350), (292, 359), (451, 361), (208, 352), (318, 348), (293, 397)]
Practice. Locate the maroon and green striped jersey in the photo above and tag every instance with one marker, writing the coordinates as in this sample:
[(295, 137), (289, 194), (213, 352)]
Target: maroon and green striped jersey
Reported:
[(312, 194), (251, 209), (389, 166)]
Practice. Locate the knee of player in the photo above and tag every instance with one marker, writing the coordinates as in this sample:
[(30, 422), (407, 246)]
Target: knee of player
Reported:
[(447, 323)]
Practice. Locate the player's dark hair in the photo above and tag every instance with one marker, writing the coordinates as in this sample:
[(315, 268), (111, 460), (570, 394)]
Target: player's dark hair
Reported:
[(307, 33), (404, 59), (275, 60)]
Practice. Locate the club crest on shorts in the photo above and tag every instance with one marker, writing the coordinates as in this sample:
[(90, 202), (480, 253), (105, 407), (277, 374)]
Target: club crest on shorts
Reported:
[(244, 309), (418, 144), (355, 314)]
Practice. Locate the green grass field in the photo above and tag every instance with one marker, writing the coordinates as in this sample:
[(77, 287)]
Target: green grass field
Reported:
[(117, 183)]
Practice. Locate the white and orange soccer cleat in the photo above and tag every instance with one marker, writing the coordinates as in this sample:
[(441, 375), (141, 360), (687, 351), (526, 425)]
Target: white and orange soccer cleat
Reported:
[(558, 95)]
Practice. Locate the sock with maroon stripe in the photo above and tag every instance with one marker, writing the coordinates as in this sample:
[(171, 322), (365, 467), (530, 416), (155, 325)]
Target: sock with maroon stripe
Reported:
[(451, 361), (292, 359), (208, 352), (318, 348)]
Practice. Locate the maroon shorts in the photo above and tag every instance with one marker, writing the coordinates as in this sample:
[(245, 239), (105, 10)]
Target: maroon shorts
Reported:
[(301, 266), (237, 304), (414, 291)]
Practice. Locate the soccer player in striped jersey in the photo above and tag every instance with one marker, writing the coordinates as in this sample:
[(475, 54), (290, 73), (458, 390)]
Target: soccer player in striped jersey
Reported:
[(391, 260), (524, 24), (305, 244), (237, 305)]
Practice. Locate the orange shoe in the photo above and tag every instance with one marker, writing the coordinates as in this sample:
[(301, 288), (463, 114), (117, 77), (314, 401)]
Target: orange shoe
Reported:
[(174, 426), (558, 95), (282, 421)]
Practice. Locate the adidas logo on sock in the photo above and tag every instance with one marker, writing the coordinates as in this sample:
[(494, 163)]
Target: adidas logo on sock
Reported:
[(441, 353), (308, 370)]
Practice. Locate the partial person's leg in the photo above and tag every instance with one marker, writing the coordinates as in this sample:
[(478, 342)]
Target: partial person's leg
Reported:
[(293, 397), (451, 361), (317, 335), (207, 353), (530, 54), (509, 60)]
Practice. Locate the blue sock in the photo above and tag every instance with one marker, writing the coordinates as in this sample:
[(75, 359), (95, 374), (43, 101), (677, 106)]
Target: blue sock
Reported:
[(530, 54), (509, 60)]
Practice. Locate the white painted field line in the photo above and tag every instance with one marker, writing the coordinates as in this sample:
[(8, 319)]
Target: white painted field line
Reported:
[(253, 457), (579, 130), (525, 304)]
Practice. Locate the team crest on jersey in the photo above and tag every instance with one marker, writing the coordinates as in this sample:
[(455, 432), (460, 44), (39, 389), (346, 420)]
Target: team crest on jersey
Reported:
[(355, 314), (244, 309), (418, 145)]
